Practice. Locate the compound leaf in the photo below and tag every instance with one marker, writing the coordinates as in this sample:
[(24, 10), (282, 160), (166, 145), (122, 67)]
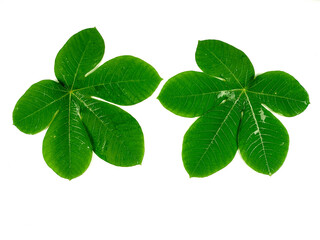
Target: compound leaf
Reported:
[(263, 140), (36, 108), (280, 92), (66, 145), (124, 80), (116, 136), (79, 124), (232, 95), (225, 61)]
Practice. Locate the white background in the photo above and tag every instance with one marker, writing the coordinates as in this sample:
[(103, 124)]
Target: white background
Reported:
[(158, 200)]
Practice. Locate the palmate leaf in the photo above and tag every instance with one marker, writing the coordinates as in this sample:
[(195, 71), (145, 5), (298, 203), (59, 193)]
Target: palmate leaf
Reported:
[(229, 100), (78, 123)]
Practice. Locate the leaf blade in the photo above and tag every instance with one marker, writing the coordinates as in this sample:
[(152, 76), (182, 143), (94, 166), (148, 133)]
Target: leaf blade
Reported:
[(66, 145), (210, 143), (281, 92), (116, 136), (222, 60), (124, 80), (37, 106), (81, 53), (263, 140), (191, 94)]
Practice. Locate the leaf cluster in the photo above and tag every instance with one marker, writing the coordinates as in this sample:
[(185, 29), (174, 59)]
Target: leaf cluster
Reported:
[(232, 104), (79, 108)]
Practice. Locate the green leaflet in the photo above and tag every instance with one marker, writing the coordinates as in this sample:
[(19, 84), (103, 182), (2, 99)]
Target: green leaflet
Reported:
[(35, 109), (225, 61), (66, 146), (263, 140), (212, 137), (82, 52), (229, 100), (123, 80), (280, 92), (191, 94), (78, 123), (116, 135)]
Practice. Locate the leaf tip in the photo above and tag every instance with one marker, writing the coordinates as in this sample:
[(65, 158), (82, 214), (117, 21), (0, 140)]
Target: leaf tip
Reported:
[(93, 28), (200, 42), (159, 97), (71, 177), (269, 173), (193, 174)]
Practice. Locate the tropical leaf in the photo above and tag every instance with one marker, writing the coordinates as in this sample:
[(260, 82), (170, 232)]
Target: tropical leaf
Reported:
[(222, 60), (124, 80), (280, 92), (66, 146), (36, 108), (229, 101), (263, 140), (116, 135), (82, 52), (210, 143), (78, 123), (191, 94)]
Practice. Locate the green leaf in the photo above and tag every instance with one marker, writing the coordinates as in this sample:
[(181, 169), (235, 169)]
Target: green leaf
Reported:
[(232, 116), (263, 140), (225, 61), (79, 124), (82, 52), (116, 136), (211, 142), (66, 145), (280, 92), (36, 108), (191, 94), (124, 80)]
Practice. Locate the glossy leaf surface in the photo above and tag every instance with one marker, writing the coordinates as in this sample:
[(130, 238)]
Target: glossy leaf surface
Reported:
[(263, 140), (124, 80), (66, 145), (229, 101), (35, 109), (78, 123), (280, 92), (210, 143), (225, 61), (78, 56), (116, 136), (191, 94)]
